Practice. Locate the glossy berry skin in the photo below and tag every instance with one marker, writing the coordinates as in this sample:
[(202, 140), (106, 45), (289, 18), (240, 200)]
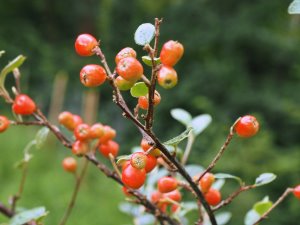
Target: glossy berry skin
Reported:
[(69, 164), (143, 101), (130, 69), (110, 147), (206, 181), (167, 77), (133, 178), (138, 160), (96, 130), (296, 191), (124, 53), (166, 184), (4, 123), (151, 163), (247, 126), (175, 208), (156, 196), (122, 84), (109, 133), (84, 44), (174, 195), (92, 75), (213, 197), (23, 105), (171, 53), (145, 146), (66, 119), (80, 148), (82, 132), (77, 120)]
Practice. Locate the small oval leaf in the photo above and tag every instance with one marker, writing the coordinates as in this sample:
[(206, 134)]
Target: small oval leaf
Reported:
[(251, 217), (176, 140), (294, 7), (228, 176), (2, 52), (182, 116), (264, 178), (199, 123), (262, 207), (122, 159), (139, 89), (144, 34), (223, 218), (147, 60), (23, 217), (41, 137)]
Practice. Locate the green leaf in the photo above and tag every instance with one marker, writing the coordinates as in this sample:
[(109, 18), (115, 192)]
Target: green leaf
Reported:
[(147, 60), (264, 178), (35, 214), (187, 207), (228, 176), (139, 89), (1, 52), (251, 217), (294, 7), (263, 206), (218, 184), (146, 219), (194, 170), (176, 140), (199, 123), (223, 218), (41, 137), (130, 209), (144, 34), (122, 159), (17, 62), (182, 116)]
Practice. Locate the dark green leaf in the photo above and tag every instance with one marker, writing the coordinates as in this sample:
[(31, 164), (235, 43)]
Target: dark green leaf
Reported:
[(199, 123), (176, 140), (35, 214), (41, 137), (294, 7), (139, 89), (263, 206), (228, 176), (264, 178), (182, 116), (147, 60), (144, 34), (17, 62)]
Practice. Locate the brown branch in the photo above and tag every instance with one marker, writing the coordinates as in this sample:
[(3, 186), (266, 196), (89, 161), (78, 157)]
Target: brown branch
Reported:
[(6, 211), (279, 200), (27, 123)]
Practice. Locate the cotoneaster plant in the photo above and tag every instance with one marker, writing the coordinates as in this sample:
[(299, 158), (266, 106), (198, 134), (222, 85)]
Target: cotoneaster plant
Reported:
[(154, 176)]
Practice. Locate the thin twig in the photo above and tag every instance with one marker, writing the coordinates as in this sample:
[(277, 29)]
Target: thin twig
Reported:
[(188, 148), (17, 76), (113, 162), (75, 193), (5, 211), (279, 200), (27, 123)]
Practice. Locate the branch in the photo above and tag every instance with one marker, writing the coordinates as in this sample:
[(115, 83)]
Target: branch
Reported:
[(279, 200), (6, 211)]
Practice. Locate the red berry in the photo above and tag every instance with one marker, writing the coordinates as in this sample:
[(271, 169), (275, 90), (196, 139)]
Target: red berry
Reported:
[(77, 120), (167, 77), (92, 75), (123, 84), (151, 163), (97, 130), (156, 196), (138, 160), (166, 184), (206, 181), (130, 69), (145, 146), (109, 133), (213, 197), (125, 164), (66, 119), (84, 44), (82, 132), (109, 147), (174, 195), (4, 123), (175, 208), (132, 177), (171, 53), (296, 191), (124, 53), (80, 148), (69, 164), (143, 101), (247, 126), (23, 105)]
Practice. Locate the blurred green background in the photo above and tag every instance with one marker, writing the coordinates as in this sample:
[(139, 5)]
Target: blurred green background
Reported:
[(241, 57)]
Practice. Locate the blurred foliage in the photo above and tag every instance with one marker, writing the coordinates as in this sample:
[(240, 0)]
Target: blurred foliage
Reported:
[(240, 57)]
